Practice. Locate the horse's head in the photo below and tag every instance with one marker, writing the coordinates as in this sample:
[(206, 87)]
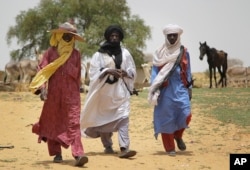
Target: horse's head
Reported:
[(203, 49)]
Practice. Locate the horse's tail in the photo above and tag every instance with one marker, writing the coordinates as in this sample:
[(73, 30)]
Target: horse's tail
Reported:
[(225, 63)]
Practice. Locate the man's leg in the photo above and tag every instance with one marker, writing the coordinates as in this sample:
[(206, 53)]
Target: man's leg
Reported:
[(168, 142)]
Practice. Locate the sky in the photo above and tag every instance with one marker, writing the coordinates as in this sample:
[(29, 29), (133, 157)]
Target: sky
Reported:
[(223, 24)]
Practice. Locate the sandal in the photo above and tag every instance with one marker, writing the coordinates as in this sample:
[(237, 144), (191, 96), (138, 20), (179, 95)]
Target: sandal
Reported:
[(127, 154), (81, 160), (58, 159), (171, 153), (181, 145), (109, 150)]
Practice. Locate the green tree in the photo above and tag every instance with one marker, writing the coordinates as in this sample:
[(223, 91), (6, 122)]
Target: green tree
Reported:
[(91, 18)]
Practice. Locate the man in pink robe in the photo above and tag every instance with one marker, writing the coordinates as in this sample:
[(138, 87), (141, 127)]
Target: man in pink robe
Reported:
[(59, 123)]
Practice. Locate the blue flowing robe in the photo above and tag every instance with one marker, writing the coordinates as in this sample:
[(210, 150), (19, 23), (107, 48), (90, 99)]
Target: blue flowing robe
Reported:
[(173, 103)]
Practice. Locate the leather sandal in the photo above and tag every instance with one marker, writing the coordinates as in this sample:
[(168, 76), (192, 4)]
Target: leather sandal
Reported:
[(181, 145), (58, 159), (81, 160), (127, 154)]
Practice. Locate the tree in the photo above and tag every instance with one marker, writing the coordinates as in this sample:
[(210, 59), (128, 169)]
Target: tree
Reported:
[(91, 18)]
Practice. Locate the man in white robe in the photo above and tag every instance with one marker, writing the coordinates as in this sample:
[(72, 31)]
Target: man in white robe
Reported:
[(107, 106)]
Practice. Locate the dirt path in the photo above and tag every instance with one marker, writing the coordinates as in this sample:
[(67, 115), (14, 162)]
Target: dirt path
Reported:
[(208, 141)]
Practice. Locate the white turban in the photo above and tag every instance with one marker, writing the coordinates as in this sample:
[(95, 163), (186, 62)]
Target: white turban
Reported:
[(168, 50), (172, 29)]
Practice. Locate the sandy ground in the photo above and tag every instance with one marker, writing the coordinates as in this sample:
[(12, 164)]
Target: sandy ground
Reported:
[(208, 141)]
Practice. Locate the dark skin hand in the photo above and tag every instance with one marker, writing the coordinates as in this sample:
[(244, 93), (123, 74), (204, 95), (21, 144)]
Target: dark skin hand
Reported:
[(117, 73)]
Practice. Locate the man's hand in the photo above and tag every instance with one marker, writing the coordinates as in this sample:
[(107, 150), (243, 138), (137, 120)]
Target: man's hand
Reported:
[(114, 72), (124, 73), (43, 95), (117, 73)]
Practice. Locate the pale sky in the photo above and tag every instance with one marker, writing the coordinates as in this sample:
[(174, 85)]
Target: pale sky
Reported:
[(223, 24)]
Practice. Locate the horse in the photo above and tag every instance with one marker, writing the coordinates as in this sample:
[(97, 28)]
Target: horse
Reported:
[(216, 59), (11, 72)]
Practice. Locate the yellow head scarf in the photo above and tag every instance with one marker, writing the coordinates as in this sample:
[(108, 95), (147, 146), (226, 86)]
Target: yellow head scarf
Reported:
[(64, 49)]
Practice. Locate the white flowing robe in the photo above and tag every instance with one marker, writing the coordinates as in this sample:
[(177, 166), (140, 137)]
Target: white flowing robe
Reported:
[(105, 102)]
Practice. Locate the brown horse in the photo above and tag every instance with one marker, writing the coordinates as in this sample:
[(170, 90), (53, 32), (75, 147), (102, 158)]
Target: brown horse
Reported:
[(216, 59)]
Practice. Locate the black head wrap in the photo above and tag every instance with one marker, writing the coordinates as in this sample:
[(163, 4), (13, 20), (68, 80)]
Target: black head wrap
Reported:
[(113, 49), (113, 28)]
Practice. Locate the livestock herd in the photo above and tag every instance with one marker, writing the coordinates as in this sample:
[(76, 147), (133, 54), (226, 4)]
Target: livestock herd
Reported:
[(21, 71), (24, 70)]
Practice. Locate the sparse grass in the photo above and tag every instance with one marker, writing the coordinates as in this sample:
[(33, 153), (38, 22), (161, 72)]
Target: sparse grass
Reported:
[(228, 105)]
